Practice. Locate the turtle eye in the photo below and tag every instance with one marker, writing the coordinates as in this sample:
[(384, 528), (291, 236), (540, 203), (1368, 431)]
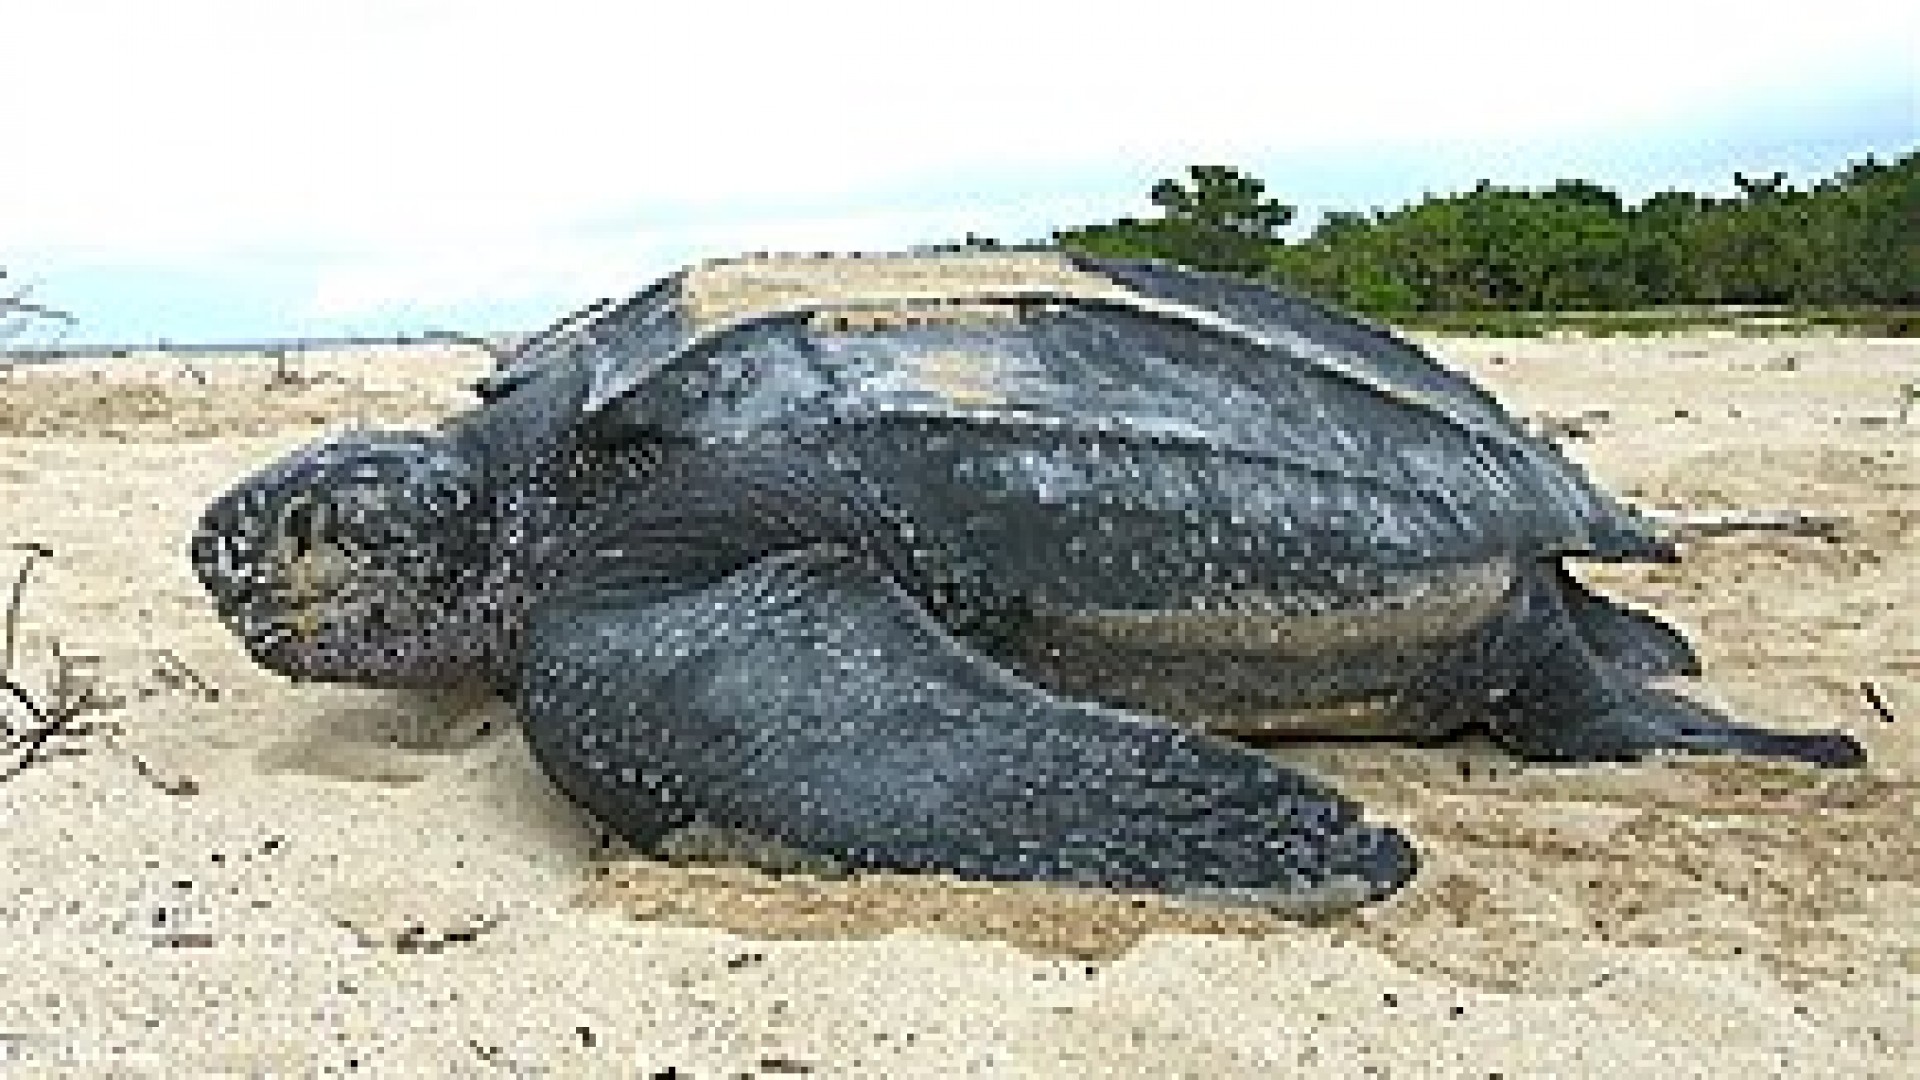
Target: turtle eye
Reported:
[(300, 525)]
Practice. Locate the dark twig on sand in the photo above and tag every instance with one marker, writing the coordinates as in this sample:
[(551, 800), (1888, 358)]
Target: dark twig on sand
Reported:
[(1879, 703), (186, 785), (71, 696), (72, 693), (34, 552), (32, 745), (178, 672)]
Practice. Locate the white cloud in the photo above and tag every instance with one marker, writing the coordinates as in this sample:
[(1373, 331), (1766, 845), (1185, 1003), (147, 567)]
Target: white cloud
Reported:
[(535, 267), (428, 148)]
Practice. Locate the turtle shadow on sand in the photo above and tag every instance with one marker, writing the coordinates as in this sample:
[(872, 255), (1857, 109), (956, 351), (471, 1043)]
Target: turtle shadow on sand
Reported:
[(389, 738)]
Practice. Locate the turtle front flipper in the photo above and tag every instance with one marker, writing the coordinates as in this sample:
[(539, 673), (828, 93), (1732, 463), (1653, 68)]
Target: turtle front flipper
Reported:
[(809, 700)]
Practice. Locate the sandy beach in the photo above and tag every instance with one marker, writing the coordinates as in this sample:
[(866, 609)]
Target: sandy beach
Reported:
[(228, 874)]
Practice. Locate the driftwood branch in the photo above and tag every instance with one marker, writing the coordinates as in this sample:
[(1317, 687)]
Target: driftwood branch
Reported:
[(11, 304), (1685, 525), (18, 314)]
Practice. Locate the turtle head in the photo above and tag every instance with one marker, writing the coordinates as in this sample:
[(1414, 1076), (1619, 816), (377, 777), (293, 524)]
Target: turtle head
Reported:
[(348, 561)]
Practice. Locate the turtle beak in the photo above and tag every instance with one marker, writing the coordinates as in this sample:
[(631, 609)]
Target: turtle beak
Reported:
[(227, 554), (268, 570)]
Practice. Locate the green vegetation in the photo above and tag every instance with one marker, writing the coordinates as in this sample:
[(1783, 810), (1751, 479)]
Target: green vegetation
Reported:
[(1843, 253), (1222, 222)]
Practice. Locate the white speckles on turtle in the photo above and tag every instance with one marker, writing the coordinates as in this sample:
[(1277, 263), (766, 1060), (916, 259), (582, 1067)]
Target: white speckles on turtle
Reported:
[(945, 562)]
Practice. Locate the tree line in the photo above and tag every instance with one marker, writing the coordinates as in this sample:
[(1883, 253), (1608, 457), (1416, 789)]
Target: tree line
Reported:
[(1852, 239)]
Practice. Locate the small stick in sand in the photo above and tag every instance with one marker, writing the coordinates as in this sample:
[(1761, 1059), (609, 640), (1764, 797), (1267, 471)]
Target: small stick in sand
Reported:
[(34, 551), (1879, 703), (176, 668), (186, 785)]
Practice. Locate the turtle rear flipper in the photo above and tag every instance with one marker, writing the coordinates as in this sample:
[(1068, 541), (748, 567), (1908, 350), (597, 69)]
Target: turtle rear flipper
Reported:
[(1631, 640), (1559, 698), (808, 699), (1642, 720)]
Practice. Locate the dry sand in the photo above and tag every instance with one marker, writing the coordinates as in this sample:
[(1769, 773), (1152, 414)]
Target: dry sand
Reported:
[(271, 878)]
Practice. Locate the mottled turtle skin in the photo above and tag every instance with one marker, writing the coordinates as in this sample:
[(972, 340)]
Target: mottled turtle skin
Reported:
[(969, 562)]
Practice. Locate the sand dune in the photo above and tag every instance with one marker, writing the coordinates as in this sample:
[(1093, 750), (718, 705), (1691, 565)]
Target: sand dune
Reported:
[(247, 875)]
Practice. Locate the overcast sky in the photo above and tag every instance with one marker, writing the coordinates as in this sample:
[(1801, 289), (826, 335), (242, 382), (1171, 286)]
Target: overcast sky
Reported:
[(204, 170)]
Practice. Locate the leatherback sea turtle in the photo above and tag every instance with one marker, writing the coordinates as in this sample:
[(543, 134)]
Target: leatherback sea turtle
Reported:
[(964, 561)]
